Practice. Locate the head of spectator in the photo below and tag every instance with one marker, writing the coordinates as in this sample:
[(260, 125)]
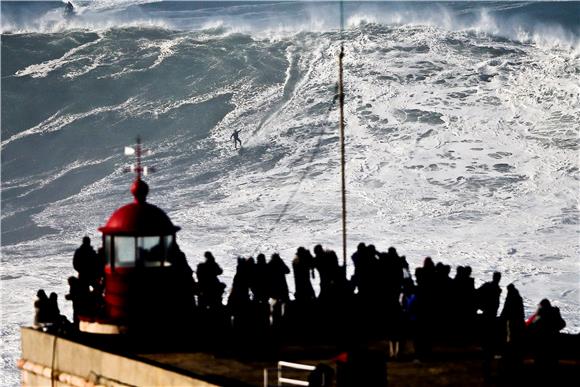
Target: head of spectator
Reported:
[(209, 256), (318, 250)]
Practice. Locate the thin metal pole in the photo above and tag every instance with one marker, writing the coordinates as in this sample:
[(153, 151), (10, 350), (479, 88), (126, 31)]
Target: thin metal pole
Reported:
[(341, 17), (279, 375), (138, 156), (342, 152)]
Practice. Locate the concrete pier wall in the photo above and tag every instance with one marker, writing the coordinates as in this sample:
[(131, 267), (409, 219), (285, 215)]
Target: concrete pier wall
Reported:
[(48, 360)]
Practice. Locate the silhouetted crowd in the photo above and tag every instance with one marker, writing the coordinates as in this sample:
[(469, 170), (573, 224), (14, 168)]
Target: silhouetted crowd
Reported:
[(382, 300)]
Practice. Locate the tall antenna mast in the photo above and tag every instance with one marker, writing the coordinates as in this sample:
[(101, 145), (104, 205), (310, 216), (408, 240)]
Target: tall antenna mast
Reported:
[(341, 124), (138, 167)]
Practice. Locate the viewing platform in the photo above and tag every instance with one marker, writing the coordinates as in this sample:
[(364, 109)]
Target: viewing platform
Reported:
[(90, 360)]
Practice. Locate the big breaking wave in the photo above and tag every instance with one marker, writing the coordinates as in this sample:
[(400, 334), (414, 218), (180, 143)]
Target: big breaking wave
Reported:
[(519, 21)]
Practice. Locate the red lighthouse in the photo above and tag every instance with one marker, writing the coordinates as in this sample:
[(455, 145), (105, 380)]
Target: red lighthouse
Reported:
[(147, 278)]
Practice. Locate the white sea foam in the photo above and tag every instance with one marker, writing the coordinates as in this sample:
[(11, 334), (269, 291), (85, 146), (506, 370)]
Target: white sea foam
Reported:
[(43, 69), (166, 49), (57, 174), (59, 120)]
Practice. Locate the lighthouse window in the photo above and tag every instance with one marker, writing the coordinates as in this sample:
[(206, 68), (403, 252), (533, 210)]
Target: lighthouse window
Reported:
[(108, 251), (151, 250), (124, 251)]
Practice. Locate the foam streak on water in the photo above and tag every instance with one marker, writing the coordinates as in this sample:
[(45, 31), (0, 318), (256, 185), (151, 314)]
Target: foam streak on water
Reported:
[(462, 135)]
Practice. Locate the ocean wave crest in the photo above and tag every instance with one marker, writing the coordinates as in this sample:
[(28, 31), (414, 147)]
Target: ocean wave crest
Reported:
[(537, 23)]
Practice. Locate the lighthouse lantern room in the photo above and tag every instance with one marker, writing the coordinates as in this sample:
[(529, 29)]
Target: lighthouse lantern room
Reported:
[(142, 282), (138, 234)]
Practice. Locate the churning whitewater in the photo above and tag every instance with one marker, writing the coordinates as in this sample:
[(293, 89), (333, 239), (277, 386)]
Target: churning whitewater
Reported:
[(462, 124)]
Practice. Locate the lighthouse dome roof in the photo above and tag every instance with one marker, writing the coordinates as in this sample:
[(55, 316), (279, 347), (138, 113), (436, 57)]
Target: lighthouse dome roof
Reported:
[(139, 218)]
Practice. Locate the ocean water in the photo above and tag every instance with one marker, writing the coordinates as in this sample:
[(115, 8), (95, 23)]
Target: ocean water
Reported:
[(462, 134)]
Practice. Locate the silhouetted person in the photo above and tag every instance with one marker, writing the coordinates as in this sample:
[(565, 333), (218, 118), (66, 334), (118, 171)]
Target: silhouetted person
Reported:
[(59, 321), (409, 312), (239, 299), (177, 257), (236, 138), (42, 310), (488, 297), (302, 265), (544, 327), (464, 296), (326, 271), (375, 277), (358, 260), (392, 272), (446, 308), (428, 277), (260, 288), (342, 287), (513, 323), (259, 280), (428, 265), (405, 268), (425, 310), (210, 288), (53, 310), (387, 282), (87, 263), (426, 307), (47, 314), (80, 297), (365, 271), (277, 271), (471, 300), (240, 293), (185, 285)]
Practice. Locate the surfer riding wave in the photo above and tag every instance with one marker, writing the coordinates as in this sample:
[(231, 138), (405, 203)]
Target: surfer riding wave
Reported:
[(236, 138)]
